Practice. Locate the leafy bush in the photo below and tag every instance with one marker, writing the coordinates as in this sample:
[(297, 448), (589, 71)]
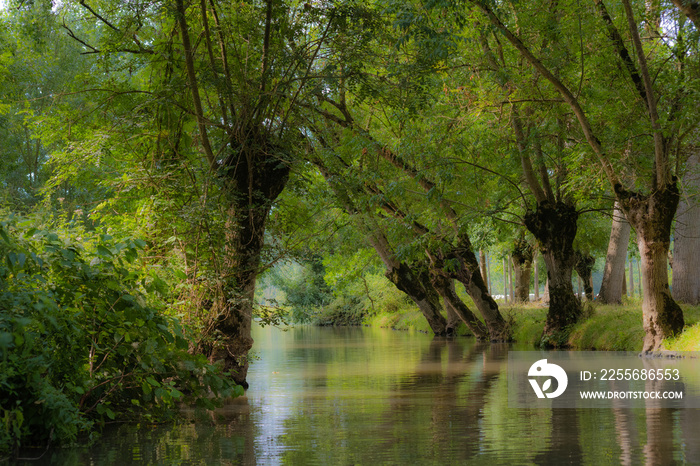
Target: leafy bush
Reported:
[(80, 346)]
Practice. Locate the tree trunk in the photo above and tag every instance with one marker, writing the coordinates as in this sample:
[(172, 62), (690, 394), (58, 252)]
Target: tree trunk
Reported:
[(614, 272), (521, 278), (415, 283), (639, 277), (511, 289), (467, 272), (521, 259), (686, 242), (554, 226), (651, 216), (446, 288), (484, 270), (252, 187), (584, 269), (631, 280), (453, 319)]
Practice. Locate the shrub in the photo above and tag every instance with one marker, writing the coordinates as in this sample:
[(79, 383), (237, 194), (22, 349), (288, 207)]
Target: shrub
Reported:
[(79, 346)]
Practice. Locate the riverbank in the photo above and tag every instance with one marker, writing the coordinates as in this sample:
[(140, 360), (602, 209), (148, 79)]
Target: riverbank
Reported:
[(604, 327)]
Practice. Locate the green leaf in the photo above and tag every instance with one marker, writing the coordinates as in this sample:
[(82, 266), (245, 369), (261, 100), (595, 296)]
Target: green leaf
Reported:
[(153, 381), (103, 251), (4, 236)]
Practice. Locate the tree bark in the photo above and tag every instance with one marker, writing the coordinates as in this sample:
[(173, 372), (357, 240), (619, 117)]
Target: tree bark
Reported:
[(510, 280), (614, 272), (554, 226), (415, 283), (651, 216), (484, 269), (446, 288), (253, 181), (453, 319), (686, 243), (467, 272), (631, 280)]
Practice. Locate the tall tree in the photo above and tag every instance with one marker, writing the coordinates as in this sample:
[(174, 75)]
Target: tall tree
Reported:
[(239, 71), (611, 288), (686, 242), (650, 211)]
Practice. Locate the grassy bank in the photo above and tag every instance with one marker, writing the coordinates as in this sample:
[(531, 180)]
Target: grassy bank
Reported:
[(604, 327)]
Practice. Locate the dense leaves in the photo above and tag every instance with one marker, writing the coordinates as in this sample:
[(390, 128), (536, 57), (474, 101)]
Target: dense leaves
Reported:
[(80, 346)]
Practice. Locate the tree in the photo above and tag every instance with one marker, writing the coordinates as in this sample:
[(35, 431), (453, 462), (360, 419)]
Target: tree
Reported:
[(37, 64), (686, 242), (611, 288), (243, 82), (649, 211)]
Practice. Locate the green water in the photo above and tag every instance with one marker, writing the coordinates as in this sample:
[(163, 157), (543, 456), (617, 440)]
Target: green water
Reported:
[(373, 396)]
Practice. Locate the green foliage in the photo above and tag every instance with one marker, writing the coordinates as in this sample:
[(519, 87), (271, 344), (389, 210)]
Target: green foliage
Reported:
[(305, 290), (79, 345)]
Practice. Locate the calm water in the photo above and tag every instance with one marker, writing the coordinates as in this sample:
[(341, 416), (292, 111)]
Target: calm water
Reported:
[(373, 396)]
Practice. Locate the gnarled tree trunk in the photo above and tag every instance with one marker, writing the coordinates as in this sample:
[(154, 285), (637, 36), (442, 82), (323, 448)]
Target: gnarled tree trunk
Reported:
[(253, 181), (554, 225), (651, 216), (611, 288)]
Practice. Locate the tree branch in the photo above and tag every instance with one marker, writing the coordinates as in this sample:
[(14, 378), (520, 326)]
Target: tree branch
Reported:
[(663, 172), (192, 78)]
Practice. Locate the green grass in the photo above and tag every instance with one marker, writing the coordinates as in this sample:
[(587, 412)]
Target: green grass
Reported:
[(689, 340), (604, 327)]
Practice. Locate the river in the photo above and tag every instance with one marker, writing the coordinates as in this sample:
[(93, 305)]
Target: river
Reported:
[(376, 396)]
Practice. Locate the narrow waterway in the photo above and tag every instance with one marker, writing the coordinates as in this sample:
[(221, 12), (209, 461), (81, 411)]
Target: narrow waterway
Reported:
[(376, 396)]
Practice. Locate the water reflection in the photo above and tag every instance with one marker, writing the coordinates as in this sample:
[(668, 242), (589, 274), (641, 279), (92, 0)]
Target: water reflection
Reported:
[(370, 396)]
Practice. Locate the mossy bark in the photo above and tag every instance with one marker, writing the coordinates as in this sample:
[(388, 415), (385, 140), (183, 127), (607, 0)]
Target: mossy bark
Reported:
[(253, 180), (555, 225), (652, 216)]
